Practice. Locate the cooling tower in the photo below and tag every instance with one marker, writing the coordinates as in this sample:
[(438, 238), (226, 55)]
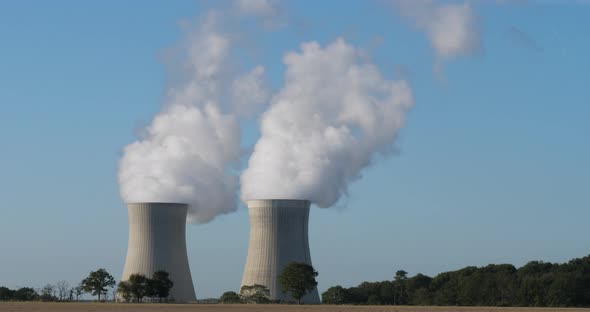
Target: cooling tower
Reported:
[(278, 235), (157, 241)]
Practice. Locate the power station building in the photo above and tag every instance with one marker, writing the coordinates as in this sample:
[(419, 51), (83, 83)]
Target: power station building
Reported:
[(157, 241), (278, 235)]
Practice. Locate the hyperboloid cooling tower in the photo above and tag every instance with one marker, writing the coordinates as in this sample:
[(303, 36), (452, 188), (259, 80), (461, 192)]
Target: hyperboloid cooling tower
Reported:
[(278, 235), (157, 241)]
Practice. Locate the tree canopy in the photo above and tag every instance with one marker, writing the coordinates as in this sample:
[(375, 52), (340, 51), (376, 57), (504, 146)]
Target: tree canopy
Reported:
[(138, 286), (298, 278), (159, 285), (254, 294), (335, 295), (124, 290), (230, 297), (25, 294), (6, 293), (98, 282), (536, 284)]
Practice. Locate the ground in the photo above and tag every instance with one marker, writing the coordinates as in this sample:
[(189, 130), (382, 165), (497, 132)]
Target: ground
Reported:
[(110, 307)]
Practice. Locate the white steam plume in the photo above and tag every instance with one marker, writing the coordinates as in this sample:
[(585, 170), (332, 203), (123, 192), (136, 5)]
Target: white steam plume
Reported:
[(452, 29), (190, 148), (333, 115), (249, 93)]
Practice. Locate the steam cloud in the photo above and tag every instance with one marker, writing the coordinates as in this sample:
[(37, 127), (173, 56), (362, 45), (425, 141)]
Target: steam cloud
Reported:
[(190, 148), (451, 28), (333, 115)]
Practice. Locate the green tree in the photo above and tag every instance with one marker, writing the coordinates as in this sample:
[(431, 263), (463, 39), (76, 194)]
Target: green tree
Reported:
[(357, 295), (373, 300), (421, 297), (160, 285), (334, 295), (254, 294), (6, 294), (138, 286), (418, 289), (298, 278), (400, 294), (124, 289), (25, 294), (230, 297), (98, 282), (386, 292), (366, 290)]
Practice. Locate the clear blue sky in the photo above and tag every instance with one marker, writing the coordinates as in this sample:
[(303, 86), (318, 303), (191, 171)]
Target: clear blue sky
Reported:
[(492, 165)]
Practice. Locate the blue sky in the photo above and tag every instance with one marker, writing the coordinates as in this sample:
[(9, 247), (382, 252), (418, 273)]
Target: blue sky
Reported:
[(492, 163)]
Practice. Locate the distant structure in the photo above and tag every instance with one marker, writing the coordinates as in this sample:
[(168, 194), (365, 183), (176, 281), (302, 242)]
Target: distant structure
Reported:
[(278, 235), (157, 241)]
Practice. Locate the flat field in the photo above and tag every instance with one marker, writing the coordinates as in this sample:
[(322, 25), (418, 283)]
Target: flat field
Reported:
[(112, 307)]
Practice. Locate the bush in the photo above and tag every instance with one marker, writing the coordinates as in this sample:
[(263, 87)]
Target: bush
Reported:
[(255, 294), (139, 286), (25, 294), (230, 297), (6, 294)]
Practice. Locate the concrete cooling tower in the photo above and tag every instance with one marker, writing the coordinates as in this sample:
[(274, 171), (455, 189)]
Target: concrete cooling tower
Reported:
[(278, 235), (157, 241)]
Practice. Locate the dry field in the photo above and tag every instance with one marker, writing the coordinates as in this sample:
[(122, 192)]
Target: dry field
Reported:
[(110, 307)]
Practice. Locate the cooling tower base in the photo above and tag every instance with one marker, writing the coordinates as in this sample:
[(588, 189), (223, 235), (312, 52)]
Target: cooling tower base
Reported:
[(278, 235), (157, 241)]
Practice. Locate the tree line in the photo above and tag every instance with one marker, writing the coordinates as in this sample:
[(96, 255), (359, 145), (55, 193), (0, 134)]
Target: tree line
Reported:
[(536, 284), (99, 283)]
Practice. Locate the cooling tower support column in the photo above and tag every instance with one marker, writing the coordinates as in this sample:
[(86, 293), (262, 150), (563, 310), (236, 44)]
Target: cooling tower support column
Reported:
[(278, 235), (157, 241)]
